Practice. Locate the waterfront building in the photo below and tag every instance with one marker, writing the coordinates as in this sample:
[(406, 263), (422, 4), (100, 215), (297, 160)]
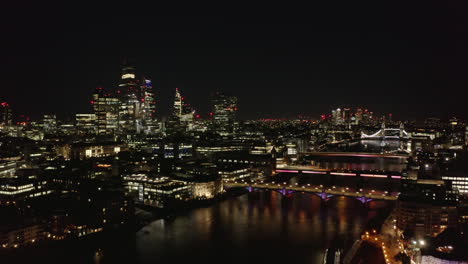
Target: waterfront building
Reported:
[(206, 187), (427, 207), (259, 164), (235, 173), (155, 191), (21, 234)]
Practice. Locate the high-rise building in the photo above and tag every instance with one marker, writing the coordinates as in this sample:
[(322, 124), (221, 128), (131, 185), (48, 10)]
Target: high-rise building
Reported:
[(346, 114), (224, 109), (106, 111), (358, 115), (128, 80), (50, 123), (6, 116), (148, 105), (177, 108), (129, 94), (182, 113), (85, 123)]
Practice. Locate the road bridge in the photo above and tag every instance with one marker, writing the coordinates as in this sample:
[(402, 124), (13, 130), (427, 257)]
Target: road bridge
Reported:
[(325, 193)]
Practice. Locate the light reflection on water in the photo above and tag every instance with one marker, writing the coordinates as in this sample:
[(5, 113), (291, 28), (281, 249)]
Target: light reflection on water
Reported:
[(260, 226)]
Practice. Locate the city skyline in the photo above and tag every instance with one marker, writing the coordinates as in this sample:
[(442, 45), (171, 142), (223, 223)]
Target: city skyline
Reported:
[(165, 110), (278, 67), (332, 134)]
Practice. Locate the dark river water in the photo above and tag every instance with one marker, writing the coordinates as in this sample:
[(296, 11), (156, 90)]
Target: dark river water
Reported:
[(257, 227)]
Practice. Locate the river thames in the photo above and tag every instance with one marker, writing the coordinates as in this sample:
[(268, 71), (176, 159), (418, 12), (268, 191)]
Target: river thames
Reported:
[(258, 227)]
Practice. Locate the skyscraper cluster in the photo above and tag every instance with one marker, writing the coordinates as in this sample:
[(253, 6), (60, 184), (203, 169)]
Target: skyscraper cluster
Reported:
[(131, 109), (359, 115)]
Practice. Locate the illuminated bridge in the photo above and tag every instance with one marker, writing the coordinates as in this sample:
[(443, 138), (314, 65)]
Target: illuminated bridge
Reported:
[(325, 193), (387, 133), (313, 170), (357, 154)]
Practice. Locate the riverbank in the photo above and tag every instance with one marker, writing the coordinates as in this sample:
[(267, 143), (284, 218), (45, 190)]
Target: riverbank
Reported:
[(147, 214)]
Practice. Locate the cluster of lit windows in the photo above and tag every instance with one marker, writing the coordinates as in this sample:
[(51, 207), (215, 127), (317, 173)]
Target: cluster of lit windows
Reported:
[(243, 161), (461, 183), (218, 149)]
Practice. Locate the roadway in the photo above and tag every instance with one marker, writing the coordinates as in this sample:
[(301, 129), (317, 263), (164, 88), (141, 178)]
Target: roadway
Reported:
[(326, 192), (356, 154)]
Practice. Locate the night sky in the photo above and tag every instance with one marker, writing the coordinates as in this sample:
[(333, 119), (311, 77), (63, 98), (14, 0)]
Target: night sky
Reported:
[(407, 60)]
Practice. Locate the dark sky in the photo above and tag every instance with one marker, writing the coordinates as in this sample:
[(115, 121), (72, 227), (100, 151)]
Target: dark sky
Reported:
[(407, 60)]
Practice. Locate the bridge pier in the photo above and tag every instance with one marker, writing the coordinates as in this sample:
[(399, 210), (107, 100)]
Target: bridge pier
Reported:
[(325, 196), (283, 192), (364, 199)]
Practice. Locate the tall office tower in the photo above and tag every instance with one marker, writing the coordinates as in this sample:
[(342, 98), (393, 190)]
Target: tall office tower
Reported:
[(50, 123), (366, 117), (334, 116), (224, 109), (337, 116), (6, 115), (358, 115), (128, 81), (85, 123), (106, 111), (346, 114), (148, 105), (129, 95), (183, 113), (177, 109)]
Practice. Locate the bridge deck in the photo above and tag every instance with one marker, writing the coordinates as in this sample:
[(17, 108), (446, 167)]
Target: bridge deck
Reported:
[(357, 154), (332, 191)]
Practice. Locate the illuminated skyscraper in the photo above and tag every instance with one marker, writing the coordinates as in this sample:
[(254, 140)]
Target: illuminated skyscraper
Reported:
[(128, 81), (128, 93), (183, 113), (6, 116), (358, 115), (148, 105), (50, 123), (85, 123), (177, 108), (106, 110), (224, 109)]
